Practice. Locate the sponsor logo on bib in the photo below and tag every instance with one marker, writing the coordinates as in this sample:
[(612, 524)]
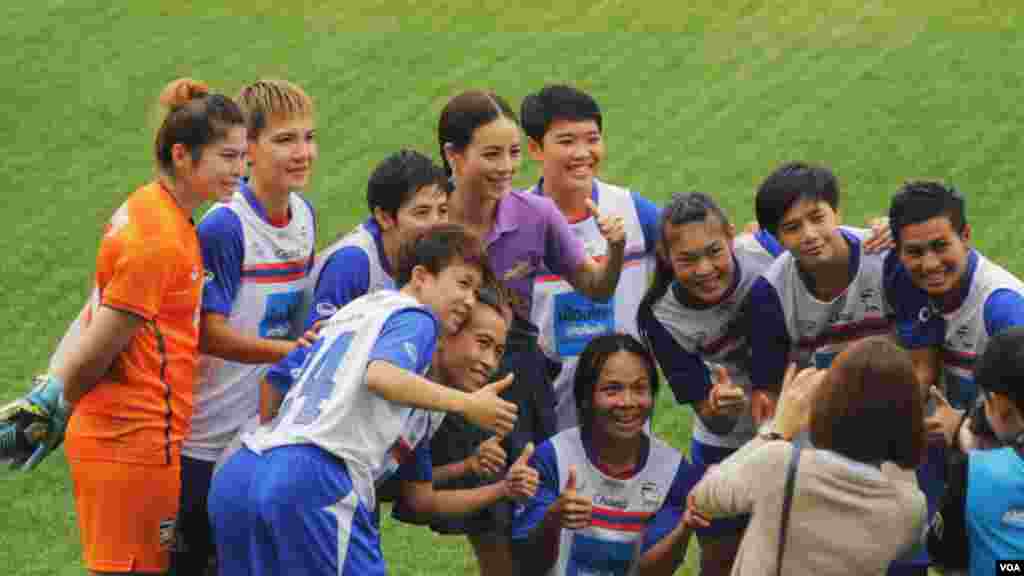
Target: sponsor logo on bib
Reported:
[(578, 320)]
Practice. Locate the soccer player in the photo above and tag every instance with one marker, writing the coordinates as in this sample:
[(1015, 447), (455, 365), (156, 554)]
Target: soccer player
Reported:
[(949, 299), (823, 293), (611, 498), (257, 251), (406, 193), (299, 497), (693, 319), (563, 125), (526, 236), (127, 378)]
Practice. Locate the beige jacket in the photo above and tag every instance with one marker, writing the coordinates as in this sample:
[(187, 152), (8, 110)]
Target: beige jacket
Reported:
[(846, 518)]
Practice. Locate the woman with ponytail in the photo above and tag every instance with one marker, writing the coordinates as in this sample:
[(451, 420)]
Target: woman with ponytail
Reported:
[(693, 319), (125, 375), (526, 236)]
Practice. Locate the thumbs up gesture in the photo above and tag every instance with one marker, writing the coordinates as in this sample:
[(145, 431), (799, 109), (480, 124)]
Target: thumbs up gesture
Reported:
[(489, 459), (490, 412), (613, 228), (727, 398), (573, 508), (522, 480)]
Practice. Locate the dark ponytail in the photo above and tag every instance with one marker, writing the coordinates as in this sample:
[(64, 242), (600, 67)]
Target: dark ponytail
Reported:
[(682, 208), (463, 115), (194, 118)]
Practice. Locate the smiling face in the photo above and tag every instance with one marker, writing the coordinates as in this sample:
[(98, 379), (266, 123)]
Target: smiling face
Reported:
[(428, 206), (934, 254), (701, 258), (490, 161), (809, 231), (571, 154), (451, 293), (283, 154), (468, 358), (215, 175), (622, 397)]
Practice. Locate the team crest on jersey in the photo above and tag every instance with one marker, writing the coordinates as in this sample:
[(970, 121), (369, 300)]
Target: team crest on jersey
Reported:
[(963, 333), (411, 350), (325, 309), (168, 534), (650, 492), (522, 268)]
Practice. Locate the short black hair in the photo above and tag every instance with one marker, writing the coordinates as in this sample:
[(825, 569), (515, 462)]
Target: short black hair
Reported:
[(789, 184), (438, 247), (591, 363), (556, 102), (398, 177), (920, 200), (998, 367)]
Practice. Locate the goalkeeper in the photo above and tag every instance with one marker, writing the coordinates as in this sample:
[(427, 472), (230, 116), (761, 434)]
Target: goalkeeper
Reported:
[(128, 364)]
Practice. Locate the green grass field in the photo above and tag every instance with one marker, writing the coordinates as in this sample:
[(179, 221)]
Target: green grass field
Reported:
[(708, 96)]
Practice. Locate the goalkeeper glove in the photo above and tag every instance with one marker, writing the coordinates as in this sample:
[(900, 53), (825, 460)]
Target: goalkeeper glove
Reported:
[(38, 421)]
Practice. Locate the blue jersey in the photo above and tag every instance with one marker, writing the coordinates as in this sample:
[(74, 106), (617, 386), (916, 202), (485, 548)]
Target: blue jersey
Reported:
[(990, 300), (994, 508), (792, 324), (256, 275), (331, 407), (350, 267), (630, 515)]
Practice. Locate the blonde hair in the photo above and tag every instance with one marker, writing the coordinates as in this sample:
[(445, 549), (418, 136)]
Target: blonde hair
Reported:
[(272, 98)]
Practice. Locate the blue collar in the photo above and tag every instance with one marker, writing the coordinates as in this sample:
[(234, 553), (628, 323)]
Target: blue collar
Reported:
[(374, 229), (253, 201)]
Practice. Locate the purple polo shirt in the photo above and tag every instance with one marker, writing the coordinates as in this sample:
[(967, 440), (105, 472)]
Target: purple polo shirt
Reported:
[(529, 235)]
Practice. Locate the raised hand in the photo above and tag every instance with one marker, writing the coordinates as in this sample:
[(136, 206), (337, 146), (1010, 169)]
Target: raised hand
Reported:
[(762, 406), (522, 480), (881, 236), (613, 228), (490, 412), (793, 412), (574, 509), (726, 398), (692, 517), (489, 459), (944, 421)]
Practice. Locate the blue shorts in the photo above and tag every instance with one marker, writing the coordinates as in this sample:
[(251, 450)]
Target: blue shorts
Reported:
[(291, 510), (703, 456)]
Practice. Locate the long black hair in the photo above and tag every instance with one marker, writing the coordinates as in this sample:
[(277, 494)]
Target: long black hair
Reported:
[(591, 363), (682, 208)]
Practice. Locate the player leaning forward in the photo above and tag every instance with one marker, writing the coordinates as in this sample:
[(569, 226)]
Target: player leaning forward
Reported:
[(299, 497)]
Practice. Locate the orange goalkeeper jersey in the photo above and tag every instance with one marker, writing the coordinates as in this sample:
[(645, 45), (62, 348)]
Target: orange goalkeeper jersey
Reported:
[(149, 264)]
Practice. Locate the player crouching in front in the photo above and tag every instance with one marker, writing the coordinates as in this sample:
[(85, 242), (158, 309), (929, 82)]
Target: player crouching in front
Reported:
[(611, 498)]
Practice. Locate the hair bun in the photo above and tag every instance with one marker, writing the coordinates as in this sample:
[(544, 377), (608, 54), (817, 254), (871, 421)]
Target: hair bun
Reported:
[(181, 91)]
